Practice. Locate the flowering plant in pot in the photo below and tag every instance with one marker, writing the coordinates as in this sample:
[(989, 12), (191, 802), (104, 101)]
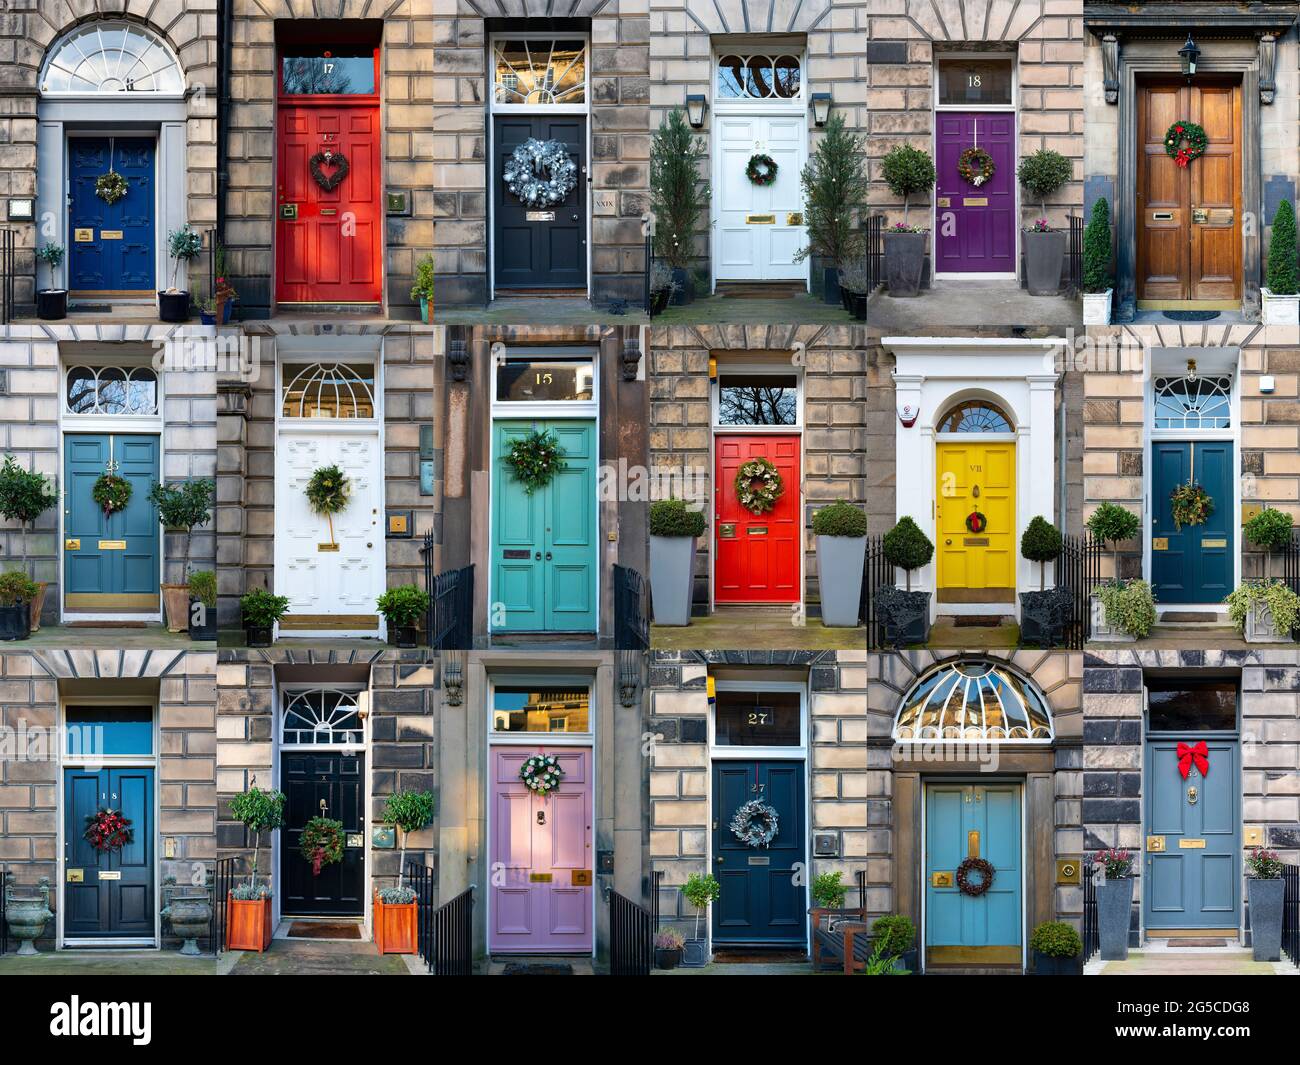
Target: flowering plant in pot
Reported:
[(403, 608), (907, 171), (181, 506), (841, 531), (24, 497), (225, 294), (668, 948), (1044, 613), (1057, 949), (700, 890), (261, 611), (905, 614), (1097, 287), (17, 591), (395, 908), (1041, 175), (183, 245), (835, 186), (422, 290), (248, 922), (1280, 294), (674, 528), (52, 302), (1114, 902), (1264, 893)]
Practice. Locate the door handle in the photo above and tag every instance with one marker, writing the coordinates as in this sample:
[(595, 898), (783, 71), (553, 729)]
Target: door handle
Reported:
[(548, 556), (574, 217), (537, 557), (947, 543)]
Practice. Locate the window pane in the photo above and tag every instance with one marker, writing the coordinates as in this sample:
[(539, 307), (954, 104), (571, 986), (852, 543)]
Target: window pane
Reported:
[(756, 719), (81, 390), (142, 391), (323, 717), (109, 730), (731, 77), (530, 708), (1199, 403), (340, 70), (112, 391), (975, 81), (1179, 706), (785, 80), (975, 417), (758, 399), (535, 380), (329, 390), (541, 71)]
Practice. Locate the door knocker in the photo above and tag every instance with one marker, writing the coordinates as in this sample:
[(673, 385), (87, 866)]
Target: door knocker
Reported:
[(975, 491), (1191, 796), (323, 807), (541, 817)]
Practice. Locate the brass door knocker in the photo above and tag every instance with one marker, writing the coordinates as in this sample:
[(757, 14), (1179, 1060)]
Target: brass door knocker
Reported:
[(1191, 796)]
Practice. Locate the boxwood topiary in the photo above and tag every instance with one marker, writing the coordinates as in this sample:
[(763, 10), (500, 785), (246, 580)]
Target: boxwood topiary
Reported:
[(894, 933), (673, 517), (1096, 249), (907, 547), (1056, 939), (1112, 523), (1282, 252), (1041, 543), (1269, 529), (840, 519)]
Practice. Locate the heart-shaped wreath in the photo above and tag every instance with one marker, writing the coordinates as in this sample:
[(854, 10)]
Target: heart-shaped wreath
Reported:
[(761, 169), (111, 492), (329, 182), (541, 173), (1191, 505), (1181, 153), (976, 522), (322, 843), (108, 830), (110, 187), (754, 823), (541, 773), (975, 865), (758, 486), (975, 165)]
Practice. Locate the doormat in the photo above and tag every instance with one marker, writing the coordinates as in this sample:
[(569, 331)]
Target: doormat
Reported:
[(106, 624), (91, 308), (1196, 942), (978, 621), (758, 957), (323, 930), (1191, 316), (542, 968)]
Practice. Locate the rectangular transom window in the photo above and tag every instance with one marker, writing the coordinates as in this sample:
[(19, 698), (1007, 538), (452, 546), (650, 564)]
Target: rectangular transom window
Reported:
[(1175, 705), (975, 81), (328, 70), (538, 379), (540, 708), (756, 719), (758, 399), (108, 730), (539, 71)]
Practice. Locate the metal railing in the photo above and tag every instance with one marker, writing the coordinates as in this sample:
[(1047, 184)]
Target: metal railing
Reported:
[(631, 937), (874, 251), (631, 614), (420, 880), (649, 266), (449, 621), (1074, 255), (1079, 569), (1291, 913), (223, 879), (4, 924), (8, 238), (876, 572), (1091, 933), (452, 928)]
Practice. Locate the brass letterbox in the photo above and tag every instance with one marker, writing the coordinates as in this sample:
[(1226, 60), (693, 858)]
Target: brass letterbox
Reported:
[(327, 547), (1220, 542), (974, 201), (110, 234), (84, 236), (1155, 844), (760, 219), (727, 530), (941, 879), (112, 545), (289, 211), (1191, 844), (540, 878), (757, 530), (105, 874)]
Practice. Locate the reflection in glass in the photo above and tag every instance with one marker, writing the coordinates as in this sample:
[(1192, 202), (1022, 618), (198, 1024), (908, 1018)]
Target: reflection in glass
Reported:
[(532, 708), (756, 719), (110, 57), (973, 700), (1193, 403), (321, 716), (112, 391), (81, 390), (758, 77), (550, 380), (142, 391), (331, 74), (541, 72), (785, 77), (758, 399), (731, 77), (975, 416), (975, 81), (108, 730), (1175, 705), (328, 390)]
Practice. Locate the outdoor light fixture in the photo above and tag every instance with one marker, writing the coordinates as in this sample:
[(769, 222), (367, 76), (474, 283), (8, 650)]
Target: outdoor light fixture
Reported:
[(453, 676), (629, 676), (1191, 370), (1189, 53), (821, 108), (696, 105)]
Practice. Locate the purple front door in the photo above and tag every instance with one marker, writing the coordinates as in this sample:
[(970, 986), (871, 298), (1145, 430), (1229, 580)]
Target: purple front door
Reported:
[(975, 225), (541, 876)]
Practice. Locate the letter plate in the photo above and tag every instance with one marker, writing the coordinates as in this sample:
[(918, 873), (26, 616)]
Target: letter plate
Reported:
[(110, 234), (540, 216), (974, 201), (975, 541), (756, 859), (757, 530), (760, 219), (1155, 844), (1191, 844), (112, 545), (1160, 543), (515, 552), (327, 547), (941, 879), (1214, 543), (727, 531), (72, 545), (84, 236), (116, 874), (539, 878), (580, 878), (76, 876)]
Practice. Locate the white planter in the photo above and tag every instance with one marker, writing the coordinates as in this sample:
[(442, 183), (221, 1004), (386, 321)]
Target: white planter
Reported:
[(1260, 627), (839, 578), (1279, 310), (1101, 632), (672, 576), (1096, 307)]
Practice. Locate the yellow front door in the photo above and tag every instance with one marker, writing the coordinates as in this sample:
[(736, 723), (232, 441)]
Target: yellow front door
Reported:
[(976, 566)]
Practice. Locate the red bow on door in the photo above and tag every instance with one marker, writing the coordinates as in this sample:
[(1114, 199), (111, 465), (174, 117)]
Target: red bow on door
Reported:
[(1198, 753)]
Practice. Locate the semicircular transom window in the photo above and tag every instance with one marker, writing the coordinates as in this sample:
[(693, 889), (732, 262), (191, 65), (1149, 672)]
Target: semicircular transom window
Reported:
[(540, 71), (973, 701), (111, 57), (1192, 402), (759, 77), (328, 390), (321, 716), (976, 416), (120, 390)]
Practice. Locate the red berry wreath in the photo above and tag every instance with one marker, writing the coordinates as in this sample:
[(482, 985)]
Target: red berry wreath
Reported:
[(976, 522), (975, 865), (1195, 147)]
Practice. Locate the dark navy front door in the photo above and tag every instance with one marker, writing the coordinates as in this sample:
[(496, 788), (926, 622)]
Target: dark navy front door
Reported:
[(111, 246), (975, 225), (762, 900), (1192, 564), (110, 892)]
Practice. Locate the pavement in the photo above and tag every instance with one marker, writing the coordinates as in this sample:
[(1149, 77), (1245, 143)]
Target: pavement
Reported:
[(538, 311), (961, 303), (108, 963), (784, 968), (1226, 961), (754, 629), (311, 957), (804, 309), (945, 634), (115, 636)]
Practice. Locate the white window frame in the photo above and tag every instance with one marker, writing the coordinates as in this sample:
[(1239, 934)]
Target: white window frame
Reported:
[(757, 369), (285, 693), (548, 410), (1014, 105), (548, 738), (496, 107), (741, 105), (292, 358)]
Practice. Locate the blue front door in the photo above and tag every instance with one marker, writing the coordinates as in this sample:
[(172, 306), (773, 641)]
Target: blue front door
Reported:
[(972, 821), (111, 562), (763, 897), (1193, 564), (1192, 875), (111, 246)]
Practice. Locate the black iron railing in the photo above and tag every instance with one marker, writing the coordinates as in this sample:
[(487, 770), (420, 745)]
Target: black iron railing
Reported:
[(1074, 255), (1091, 934), (4, 925), (449, 621), (419, 878), (876, 571), (1079, 570), (631, 613), (649, 266), (223, 879), (631, 937), (8, 240), (1290, 569), (1291, 913), (453, 936), (874, 251)]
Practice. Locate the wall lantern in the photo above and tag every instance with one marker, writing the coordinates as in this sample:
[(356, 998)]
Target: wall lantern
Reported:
[(821, 108), (1191, 370), (696, 105), (1189, 54), (453, 676)]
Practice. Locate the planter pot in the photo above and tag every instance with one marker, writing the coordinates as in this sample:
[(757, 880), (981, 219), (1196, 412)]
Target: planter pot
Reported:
[(190, 915), (395, 926), (685, 291), (207, 319), (174, 306), (52, 304), (904, 263), (856, 304), (672, 576), (1260, 627), (26, 912), (176, 601), (905, 616), (1044, 257), (404, 636), (38, 604), (15, 622), (1265, 898), (206, 628), (258, 637), (831, 285), (227, 309), (659, 301), (839, 578), (910, 960), (1114, 907), (667, 957), (695, 954), (1044, 615), (1279, 310), (248, 924), (424, 309), (1096, 307), (1102, 632), (1047, 965)]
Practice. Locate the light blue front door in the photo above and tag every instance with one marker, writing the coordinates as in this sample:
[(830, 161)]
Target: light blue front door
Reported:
[(976, 821)]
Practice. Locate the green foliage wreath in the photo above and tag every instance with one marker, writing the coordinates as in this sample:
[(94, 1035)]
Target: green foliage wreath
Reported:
[(535, 459), (322, 843), (111, 492)]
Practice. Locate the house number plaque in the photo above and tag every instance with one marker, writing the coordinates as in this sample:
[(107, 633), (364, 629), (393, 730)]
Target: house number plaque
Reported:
[(540, 216)]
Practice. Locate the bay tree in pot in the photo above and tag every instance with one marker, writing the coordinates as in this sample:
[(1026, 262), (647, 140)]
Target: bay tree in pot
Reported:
[(24, 497), (1057, 948), (674, 528), (907, 171), (183, 245), (905, 614), (181, 506), (1264, 893), (1114, 902), (1097, 285), (1280, 294), (52, 302), (835, 187), (261, 612), (403, 609), (1041, 175), (248, 921), (1044, 613), (841, 531), (679, 198), (700, 890), (395, 908)]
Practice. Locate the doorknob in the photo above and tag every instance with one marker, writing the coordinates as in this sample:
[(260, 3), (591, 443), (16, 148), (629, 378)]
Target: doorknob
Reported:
[(537, 557), (548, 556), (947, 543), (718, 859), (575, 217)]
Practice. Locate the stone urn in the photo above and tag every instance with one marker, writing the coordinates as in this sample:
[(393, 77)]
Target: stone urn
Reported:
[(27, 911), (189, 909)]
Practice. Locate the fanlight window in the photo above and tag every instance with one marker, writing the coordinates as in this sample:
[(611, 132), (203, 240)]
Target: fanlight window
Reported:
[(532, 72), (759, 77), (111, 390), (328, 390), (322, 716), (975, 416), (973, 701), (108, 57), (1193, 403)]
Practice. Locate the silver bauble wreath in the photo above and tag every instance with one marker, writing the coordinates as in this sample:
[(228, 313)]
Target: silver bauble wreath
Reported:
[(754, 823), (541, 173)]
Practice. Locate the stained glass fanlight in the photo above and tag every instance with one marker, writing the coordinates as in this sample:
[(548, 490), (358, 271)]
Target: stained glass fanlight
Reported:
[(976, 416), (973, 701), (1192, 402), (535, 71), (328, 390), (322, 716), (111, 57)]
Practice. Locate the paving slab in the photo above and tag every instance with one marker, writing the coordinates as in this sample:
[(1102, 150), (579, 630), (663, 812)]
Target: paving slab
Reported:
[(108, 963), (726, 310), (539, 311), (784, 968), (300, 957), (117, 637), (1230, 962), (754, 629), (969, 303)]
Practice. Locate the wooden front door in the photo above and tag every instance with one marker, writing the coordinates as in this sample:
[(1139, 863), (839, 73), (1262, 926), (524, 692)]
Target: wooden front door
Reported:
[(976, 565), (757, 554), (323, 784), (1189, 218), (111, 246)]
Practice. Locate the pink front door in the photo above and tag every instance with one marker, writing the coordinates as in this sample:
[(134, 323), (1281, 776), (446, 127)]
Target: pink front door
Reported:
[(541, 876)]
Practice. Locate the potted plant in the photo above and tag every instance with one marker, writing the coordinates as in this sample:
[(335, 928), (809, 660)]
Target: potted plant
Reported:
[(1114, 902), (841, 531), (1264, 893), (883, 964), (189, 909), (226, 294), (17, 592), (422, 290), (1270, 529), (261, 611), (835, 185), (1110, 523), (895, 937), (207, 311), (674, 528), (1045, 613), (183, 245), (395, 908), (907, 171), (181, 506), (248, 917), (52, 302), (854, 283), (1264, 611), (1057, 949), (26, 914), (203, 605), (668, 948), (1097, 287), (24, 497), (700, 889), (678, 198), (1281, 293), (403, 608), (1041, 174), (829, 891), (662, 287), (1124, 612), (905, 614)]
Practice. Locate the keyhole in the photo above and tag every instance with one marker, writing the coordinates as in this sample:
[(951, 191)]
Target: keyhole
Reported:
[(541, 817)]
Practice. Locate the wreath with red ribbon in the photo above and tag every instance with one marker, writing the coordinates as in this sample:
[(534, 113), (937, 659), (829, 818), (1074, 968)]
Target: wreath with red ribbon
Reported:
[(1189, 753), (976, 522), (1195, 147), (975, 865), (108, 830)]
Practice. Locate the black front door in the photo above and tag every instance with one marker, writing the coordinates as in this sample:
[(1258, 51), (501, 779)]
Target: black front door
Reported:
[(541, 246), (108, 893), (322, 784)]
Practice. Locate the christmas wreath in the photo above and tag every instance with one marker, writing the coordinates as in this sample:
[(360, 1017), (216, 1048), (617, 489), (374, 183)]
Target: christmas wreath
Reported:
[(975, 165), (976, 522), (108, 830), (541, 773), (975, 865), (535, 459), (1195, 147), (754, 823), (758, 486), (541, 173), (328, 182), (328, 491), (111, 492), (111, 187), (761, 169), (1191, 505), (322, 843)]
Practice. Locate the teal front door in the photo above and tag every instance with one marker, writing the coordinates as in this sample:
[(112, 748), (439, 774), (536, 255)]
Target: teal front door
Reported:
[(111, 562), (544, 567), (1193, 564), (975, 821)]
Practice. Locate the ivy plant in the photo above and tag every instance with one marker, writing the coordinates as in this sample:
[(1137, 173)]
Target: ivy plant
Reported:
[(1277, 598), (1129, 605)]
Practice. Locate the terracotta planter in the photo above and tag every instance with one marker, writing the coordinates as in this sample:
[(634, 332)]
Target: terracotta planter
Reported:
[(176, 601), (38, 604), (395, 926), (248, 924)]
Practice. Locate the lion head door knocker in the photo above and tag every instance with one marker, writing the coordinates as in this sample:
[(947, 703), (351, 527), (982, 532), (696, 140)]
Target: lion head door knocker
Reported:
[(1193, 755)]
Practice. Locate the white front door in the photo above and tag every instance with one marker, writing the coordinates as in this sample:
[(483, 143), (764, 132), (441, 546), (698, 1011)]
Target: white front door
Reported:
[(749, 246), (331, 592)]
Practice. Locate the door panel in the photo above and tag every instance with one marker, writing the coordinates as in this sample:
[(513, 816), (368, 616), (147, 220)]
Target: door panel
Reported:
[(975, 231), (1196, 565), (309, 779), (976, 567), (121, 906), (122, 262), (757, 554), (754, 251)]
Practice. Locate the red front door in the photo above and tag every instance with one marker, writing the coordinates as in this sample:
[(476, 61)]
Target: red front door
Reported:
[(757, 554)]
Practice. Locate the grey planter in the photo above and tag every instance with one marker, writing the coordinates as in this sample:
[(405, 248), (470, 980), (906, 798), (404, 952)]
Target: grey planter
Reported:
[(1260, 627), (1265, 897), (839, 578), (190, 912), (1044, 257), (695, 954), (672, 574), (1114, 908), (1102, 632), (27, 912), (904, 263)]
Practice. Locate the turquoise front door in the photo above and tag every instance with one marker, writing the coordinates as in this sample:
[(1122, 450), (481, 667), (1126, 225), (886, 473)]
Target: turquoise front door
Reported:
[(111, 562), (544, 567), (975, 821), (1193, 564)]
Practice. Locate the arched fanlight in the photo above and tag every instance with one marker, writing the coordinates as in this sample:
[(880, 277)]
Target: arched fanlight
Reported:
[(976, 416), (111, 56), (973, 700), (321, 716), (328, 390)]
